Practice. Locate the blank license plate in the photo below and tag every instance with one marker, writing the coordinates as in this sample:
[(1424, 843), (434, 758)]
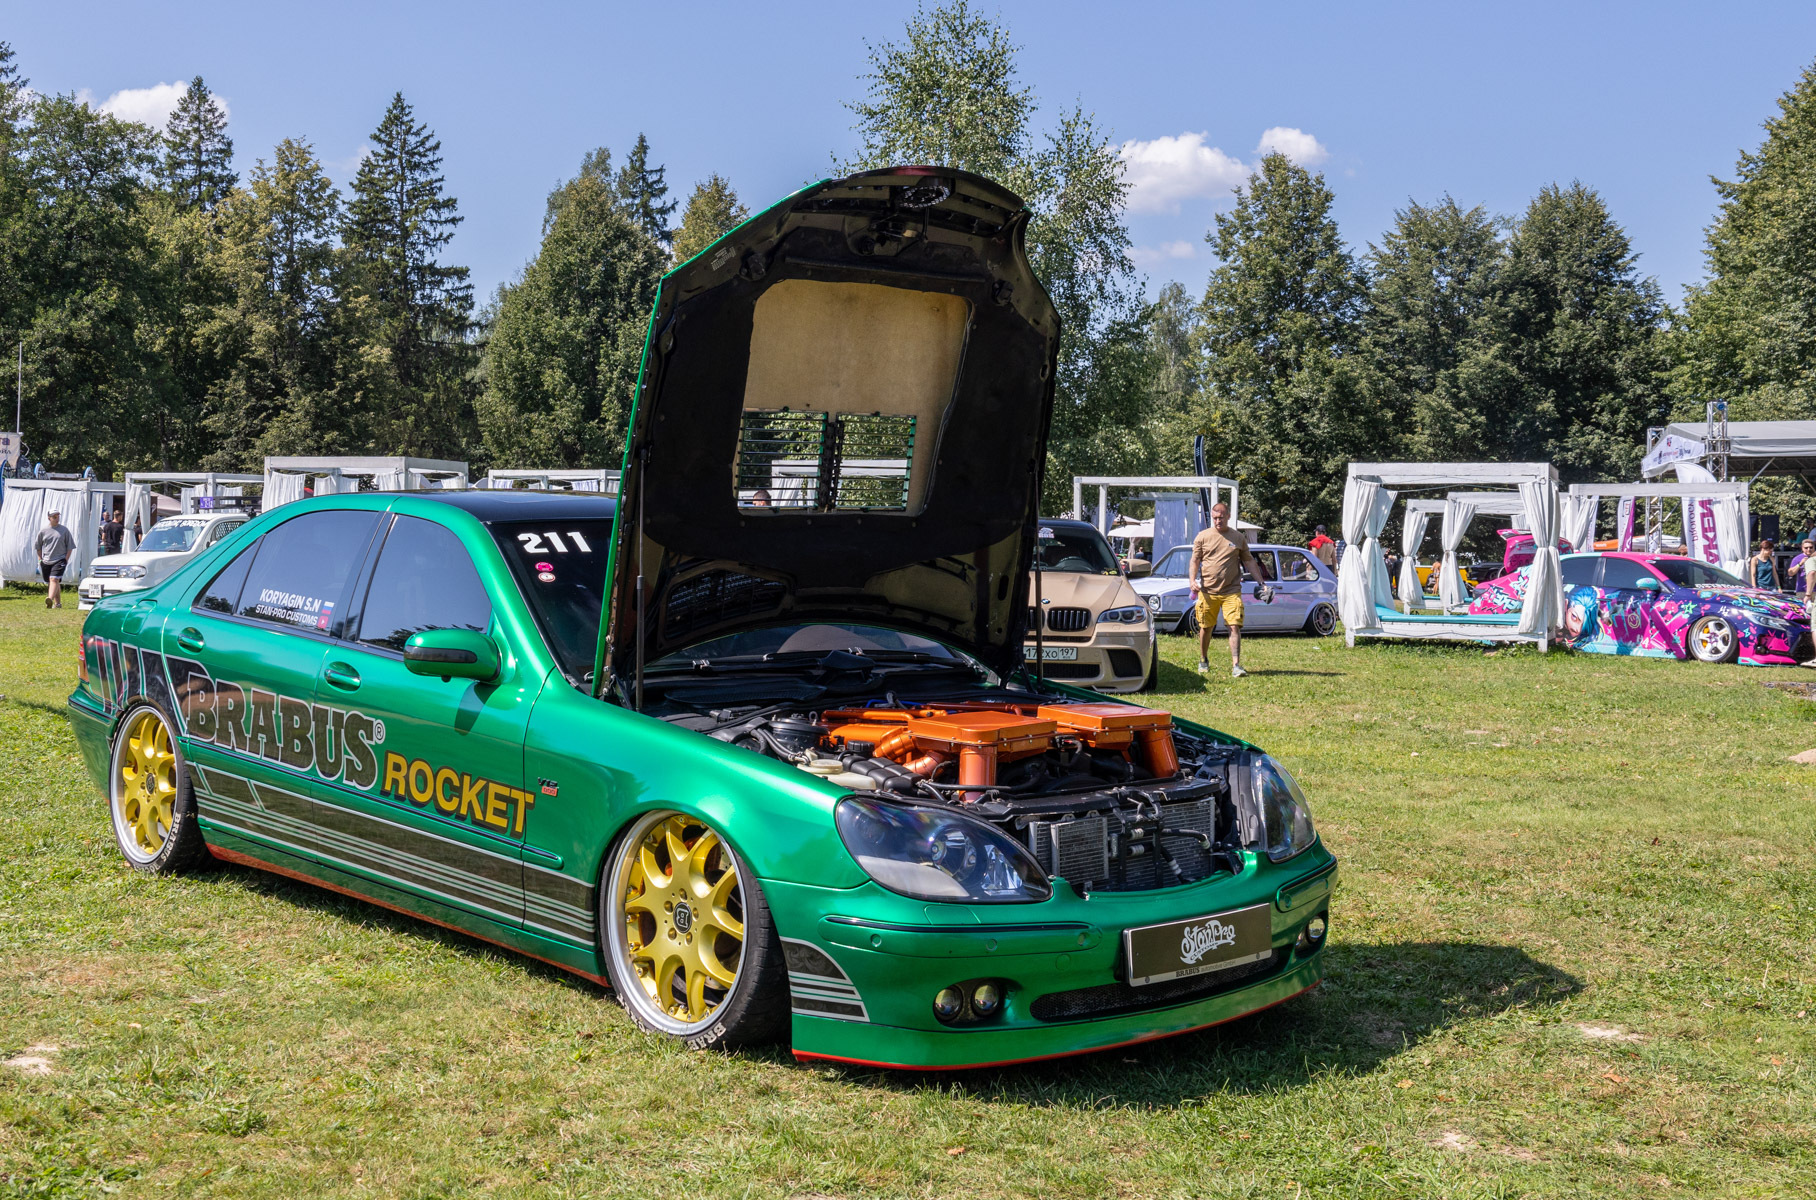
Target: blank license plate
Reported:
[(1052, 653), (1198, 946)]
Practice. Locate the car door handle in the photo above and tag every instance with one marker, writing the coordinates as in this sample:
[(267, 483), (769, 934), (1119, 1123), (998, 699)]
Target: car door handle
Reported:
[(191, 639), (341, 676)]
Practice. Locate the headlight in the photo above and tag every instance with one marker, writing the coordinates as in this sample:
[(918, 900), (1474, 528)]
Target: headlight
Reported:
[(1284, 813), (1154, 603), (132, 572), (934, 854), (1135, 614)]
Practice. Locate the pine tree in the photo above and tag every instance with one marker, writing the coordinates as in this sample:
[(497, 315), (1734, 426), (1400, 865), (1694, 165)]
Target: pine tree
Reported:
[(566, 340), (15, 227), (1287, 402), (198, 155), (712, 211), (411, 308), (642, 189)]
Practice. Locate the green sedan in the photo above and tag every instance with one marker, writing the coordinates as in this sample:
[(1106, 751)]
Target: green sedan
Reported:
[(755, 746)]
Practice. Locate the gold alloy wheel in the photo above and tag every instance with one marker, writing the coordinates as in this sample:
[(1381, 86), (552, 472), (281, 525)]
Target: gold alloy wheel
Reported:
[(145, 786), (683, 910)]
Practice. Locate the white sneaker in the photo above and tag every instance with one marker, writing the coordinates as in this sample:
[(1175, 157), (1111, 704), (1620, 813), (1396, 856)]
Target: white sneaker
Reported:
[(1204, 666), (1237, 672)]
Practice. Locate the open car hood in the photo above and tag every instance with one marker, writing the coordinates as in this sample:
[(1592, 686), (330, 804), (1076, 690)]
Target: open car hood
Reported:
[(841, 416)]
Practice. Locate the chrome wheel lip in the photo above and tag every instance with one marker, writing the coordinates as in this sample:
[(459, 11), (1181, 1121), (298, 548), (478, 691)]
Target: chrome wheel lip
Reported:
[(1324, 621), (1713, 639), (116, 798), (618, 947)]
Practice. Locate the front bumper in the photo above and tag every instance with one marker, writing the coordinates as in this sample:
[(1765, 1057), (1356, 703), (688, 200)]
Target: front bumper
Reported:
[(93, 590), (1058, 963), (1109, 662)]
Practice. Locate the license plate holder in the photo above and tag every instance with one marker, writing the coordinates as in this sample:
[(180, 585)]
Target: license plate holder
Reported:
[(1197, 945), (1052, 653)]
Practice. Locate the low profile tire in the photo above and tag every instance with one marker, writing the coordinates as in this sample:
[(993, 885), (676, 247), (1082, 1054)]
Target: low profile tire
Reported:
[(689, 943), (1322, 621), (1712, 639), (150, 797)]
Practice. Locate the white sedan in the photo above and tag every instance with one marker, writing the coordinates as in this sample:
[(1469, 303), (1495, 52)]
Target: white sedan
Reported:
[(170, 543), (1305, 592)]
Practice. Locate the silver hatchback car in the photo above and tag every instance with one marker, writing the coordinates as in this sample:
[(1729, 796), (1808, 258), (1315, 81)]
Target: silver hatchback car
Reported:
[(1305, 593)]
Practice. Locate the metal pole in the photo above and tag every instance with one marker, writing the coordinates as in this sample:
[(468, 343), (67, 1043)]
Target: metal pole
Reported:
[(19, 405), (1103, 509)]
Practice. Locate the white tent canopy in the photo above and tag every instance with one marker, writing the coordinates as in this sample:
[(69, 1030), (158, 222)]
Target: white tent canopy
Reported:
[(552, 479), (1716, 515), (286, 477), (22, 514), (1754, 448), (1361, 579)]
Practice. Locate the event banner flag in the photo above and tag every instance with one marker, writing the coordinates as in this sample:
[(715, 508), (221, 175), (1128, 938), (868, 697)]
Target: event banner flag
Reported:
[(10, 445)]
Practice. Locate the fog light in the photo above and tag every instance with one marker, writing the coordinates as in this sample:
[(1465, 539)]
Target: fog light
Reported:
[(948, 1004), (986, 998), (1314, 929)]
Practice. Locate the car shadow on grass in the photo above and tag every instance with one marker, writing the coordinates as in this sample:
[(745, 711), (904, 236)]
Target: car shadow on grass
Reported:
[(1378, 1001)]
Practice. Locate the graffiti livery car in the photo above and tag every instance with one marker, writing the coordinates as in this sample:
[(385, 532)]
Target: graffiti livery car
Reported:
[(756, 746), (1665, 606)]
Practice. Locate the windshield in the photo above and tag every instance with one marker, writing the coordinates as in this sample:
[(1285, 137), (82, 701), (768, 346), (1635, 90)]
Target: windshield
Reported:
[(1175, 564), (1686, 572), (560, 568), (171, 536), (818, 639), (1072, 548)]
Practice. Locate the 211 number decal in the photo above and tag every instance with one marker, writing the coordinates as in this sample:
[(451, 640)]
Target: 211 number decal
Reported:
[(533, 542)]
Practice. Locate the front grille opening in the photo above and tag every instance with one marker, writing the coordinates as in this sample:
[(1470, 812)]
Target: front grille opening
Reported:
[(1124, 662), (824, 462), (1111, 999)]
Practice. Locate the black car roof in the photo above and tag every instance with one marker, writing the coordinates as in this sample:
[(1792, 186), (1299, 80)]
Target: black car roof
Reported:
[(525, 505)]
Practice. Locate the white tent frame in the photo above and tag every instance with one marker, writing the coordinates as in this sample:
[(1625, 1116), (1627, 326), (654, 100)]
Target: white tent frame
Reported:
[(1432, 476), (1485, 504), (536, 479), (387, 473), (1215, 484), (81, 511), (1682, 492), (192, 485)]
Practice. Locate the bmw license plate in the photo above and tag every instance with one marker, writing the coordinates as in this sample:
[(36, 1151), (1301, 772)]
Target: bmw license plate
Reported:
[(1052, 653), (1198, 946)]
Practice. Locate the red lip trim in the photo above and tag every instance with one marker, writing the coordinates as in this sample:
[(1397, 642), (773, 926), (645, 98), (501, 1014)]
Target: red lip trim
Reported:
[(246, 860), (805, 1055)]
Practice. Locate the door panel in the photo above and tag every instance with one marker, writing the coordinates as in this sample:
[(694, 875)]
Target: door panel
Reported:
[(443, 816), (1298, 587)]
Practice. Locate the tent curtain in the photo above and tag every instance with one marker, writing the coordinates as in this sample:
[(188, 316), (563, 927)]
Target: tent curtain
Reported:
[(138, 511), (1362, 576), (1544, 605), (1412, 532), (391, 481), (22, 516), (1731, 533), (1578, 514), (281, 488), (1451, 588)]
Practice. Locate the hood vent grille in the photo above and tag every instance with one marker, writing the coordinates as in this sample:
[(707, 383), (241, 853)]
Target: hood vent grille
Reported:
[(825, 462)]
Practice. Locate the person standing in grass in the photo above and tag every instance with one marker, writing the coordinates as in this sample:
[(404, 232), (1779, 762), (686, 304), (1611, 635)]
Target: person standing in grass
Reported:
[(54, 545), (1762, 568), (1218, 556), (1322, 548)]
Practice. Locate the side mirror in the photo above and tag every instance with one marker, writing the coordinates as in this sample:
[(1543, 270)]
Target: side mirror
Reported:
[(449, 653), (1649, 584), (1140, 570)]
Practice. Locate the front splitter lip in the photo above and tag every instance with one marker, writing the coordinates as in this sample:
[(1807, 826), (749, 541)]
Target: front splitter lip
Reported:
[(929, 1050)]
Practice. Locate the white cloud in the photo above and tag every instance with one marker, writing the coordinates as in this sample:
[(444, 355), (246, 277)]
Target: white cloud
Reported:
[(1166, 170), (1148, 256), (1296, 144), (148, 105)]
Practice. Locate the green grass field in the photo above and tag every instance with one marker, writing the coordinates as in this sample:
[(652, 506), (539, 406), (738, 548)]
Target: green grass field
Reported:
[(1571, 956)]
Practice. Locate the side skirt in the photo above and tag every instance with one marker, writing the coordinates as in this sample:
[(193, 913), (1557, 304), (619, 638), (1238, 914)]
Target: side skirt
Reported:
[(335, 881)]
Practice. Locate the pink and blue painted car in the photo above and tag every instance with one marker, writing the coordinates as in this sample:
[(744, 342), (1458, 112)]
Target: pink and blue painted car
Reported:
[(1665, 606)]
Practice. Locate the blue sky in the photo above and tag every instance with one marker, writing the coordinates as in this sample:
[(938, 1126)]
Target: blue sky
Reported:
[(1486, 102)]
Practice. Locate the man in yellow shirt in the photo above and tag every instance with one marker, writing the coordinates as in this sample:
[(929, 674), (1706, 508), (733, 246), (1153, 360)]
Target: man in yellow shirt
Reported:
[(1218, 556)]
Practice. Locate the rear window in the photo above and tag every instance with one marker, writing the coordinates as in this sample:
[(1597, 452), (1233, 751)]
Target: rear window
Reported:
[(560, 568), (1580, 571), (1623, 573)]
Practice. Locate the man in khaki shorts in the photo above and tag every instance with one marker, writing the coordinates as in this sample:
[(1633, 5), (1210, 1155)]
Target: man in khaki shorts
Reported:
[(1218, 556)]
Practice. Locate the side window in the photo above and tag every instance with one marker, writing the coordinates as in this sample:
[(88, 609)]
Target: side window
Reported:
[(1266, 560), (1622, 573), (223, 594), (1294, 565), (424, 580), (1580, 572), (303, 567)]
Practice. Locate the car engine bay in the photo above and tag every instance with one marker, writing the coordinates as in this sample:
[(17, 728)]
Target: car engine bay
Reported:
[(1110, 797)]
